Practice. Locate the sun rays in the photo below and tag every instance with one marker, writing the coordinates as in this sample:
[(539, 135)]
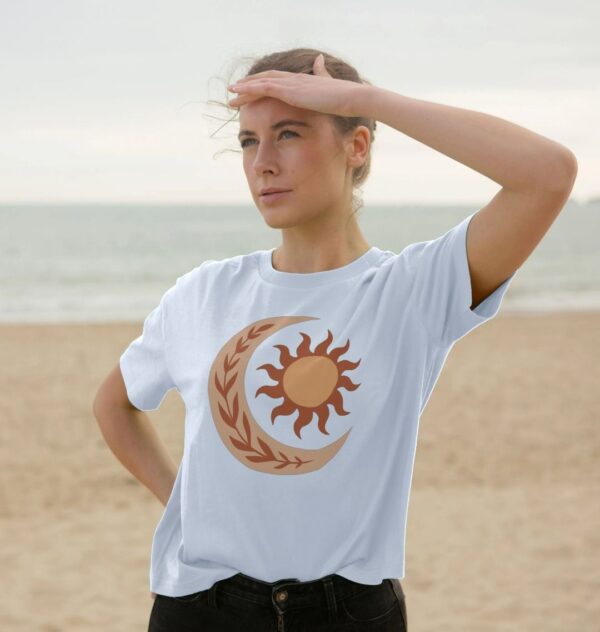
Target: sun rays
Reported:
[(309, 382)]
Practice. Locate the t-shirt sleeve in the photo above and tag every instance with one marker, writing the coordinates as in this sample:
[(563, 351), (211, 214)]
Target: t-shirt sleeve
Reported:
[(442, 287), (144, 362)]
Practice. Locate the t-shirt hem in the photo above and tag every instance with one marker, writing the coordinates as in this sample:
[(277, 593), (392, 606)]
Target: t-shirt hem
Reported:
[(370, 576), (466, 319), (179, 589)]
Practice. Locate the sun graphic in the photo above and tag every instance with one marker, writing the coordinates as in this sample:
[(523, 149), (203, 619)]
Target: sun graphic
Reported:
[(309, 382)]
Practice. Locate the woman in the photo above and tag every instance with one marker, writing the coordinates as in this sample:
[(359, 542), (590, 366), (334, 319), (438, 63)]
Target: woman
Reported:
[(305, 368)]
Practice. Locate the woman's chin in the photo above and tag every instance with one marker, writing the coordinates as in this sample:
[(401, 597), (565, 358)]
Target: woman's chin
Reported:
[(278, 217), (279, 221)]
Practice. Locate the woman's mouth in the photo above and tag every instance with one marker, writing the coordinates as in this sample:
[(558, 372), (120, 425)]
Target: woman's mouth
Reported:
[(273, 197)]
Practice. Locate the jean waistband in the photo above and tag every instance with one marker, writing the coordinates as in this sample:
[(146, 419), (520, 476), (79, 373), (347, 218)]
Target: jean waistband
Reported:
[(292, 590)]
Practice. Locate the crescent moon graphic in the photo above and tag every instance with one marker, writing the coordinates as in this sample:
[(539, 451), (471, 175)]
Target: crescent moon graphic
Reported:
[(308, 383)]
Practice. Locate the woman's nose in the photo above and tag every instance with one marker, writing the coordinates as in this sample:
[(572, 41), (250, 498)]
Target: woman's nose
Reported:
[(265, 158)]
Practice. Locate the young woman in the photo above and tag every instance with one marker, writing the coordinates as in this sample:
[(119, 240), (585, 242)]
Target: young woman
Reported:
[(305, 368)]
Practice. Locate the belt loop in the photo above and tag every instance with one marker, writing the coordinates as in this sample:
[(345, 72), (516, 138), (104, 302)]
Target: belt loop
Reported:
[(331, 601), (397, 588), (212, 598)]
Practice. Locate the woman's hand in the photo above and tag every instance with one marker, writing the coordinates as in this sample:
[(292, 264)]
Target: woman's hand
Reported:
[(320, 92)]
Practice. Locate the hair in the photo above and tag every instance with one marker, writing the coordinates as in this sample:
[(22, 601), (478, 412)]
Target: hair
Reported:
[(302, 60)]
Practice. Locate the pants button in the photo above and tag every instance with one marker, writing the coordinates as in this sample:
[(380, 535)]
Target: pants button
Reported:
[(281, 595)]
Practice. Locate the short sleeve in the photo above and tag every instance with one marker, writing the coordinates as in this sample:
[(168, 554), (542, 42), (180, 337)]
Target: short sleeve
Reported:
[(144, 362), (442, 287)]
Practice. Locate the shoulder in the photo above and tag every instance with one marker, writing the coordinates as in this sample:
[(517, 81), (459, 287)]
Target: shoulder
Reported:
[(212, 271), (405, 261), (439, 250)]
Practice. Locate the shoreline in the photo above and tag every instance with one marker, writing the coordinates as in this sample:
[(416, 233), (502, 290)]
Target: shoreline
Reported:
[(508, 312)]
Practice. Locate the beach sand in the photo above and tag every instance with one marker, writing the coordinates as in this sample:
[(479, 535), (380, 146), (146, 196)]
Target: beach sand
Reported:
[(503, 525)]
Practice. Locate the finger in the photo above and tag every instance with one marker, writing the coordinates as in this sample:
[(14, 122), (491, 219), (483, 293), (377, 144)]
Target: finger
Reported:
[(319, 66), (263, 74), (246, 86), (264, 87), (237, 102)]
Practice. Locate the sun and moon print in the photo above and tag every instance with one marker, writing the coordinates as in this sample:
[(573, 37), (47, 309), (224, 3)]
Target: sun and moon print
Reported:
[(308, 382)]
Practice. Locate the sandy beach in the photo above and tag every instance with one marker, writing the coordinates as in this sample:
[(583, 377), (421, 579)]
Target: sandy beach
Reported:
[(503, 525)]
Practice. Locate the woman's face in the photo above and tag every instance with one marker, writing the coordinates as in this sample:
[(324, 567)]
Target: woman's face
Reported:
[(305, 158)]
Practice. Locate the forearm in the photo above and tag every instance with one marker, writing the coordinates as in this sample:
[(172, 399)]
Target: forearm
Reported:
[(134, 441), (509, 154)]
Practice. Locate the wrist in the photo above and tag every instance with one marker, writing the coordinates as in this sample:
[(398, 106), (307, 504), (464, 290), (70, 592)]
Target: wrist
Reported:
[(365, 99)]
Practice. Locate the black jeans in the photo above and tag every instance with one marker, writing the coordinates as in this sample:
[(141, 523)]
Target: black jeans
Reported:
[(244, 604)]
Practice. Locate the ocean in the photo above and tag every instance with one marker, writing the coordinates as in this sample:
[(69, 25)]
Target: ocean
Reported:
[(109, 263)]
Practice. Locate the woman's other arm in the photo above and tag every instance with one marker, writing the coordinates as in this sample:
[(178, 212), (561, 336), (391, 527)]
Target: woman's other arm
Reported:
[(132, 437)]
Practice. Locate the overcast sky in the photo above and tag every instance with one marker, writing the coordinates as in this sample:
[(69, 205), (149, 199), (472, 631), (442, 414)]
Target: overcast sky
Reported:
[(105, 101)]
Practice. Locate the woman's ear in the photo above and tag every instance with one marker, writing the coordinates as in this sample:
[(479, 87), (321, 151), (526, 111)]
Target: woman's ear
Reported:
[(357, 146)]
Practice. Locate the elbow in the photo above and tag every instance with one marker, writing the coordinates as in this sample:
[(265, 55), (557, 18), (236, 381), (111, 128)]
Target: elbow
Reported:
[(101, 400), (105, 400), (111, 395), (568, 167), (98, 405), (561, 176)]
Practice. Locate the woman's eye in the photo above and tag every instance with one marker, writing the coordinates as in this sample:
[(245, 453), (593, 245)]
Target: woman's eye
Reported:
[(285, 131), (288, 131)]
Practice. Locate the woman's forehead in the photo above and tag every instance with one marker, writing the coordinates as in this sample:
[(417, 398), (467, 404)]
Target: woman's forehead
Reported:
[(267, 111)]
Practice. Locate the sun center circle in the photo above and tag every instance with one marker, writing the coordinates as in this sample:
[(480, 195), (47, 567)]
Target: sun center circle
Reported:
[(309, 381)]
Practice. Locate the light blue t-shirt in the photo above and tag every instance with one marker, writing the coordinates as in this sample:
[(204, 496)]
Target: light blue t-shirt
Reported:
[(303, 394)]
